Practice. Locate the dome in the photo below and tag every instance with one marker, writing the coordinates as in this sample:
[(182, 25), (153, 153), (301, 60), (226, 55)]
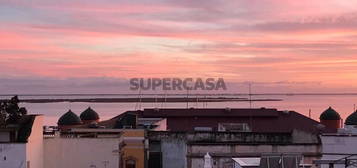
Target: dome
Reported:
[(330, 114), (352, 119), (69, 118), (89, 114)]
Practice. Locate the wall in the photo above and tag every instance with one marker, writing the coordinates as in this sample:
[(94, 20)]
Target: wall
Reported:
[(133, 146), (81, 152), (15, 154), (22, 155), (223, 153), (173, 153), (34, 146), (4, 136), (282, 122), (186, 150), (338, 144)]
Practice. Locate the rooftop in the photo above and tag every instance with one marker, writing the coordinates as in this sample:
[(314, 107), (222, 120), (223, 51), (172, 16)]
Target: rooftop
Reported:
[(352, 119), (69, 118), (19, 132), (330, 114), (213, 112), (89, 114)]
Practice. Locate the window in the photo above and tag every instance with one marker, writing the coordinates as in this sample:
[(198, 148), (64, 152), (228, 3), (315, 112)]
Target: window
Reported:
[(130, 163), (4, 136), (233, 127), (155, 160)]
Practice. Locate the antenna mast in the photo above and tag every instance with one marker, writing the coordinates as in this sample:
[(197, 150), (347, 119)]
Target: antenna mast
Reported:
[(250, 106), (164, 101), (187, 99), (138, 103), (250, 95)]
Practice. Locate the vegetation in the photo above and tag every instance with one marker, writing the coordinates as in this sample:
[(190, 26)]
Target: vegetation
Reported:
[(10, 112)]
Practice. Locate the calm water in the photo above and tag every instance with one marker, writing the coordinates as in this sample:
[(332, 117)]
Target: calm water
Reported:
[(344, 104)]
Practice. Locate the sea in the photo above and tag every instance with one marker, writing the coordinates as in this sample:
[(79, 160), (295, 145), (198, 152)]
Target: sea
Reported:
[(310, 105)]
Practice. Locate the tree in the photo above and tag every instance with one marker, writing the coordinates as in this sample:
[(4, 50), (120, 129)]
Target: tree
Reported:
[(10, 112)]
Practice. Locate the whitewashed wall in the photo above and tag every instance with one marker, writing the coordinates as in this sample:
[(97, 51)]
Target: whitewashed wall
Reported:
[(13, 155), (81, 152), (18, 155), (338, 144)]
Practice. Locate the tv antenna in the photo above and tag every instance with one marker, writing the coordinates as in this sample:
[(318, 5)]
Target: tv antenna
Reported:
[(138, 103), (250, 105), (187, 98), (164, 100), (250, 95)]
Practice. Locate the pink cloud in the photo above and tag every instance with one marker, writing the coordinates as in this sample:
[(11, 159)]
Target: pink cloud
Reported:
[(255, 40)]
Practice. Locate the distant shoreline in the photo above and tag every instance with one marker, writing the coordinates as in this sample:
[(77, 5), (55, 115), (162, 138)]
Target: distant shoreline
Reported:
[(144, 100), (193, 94)]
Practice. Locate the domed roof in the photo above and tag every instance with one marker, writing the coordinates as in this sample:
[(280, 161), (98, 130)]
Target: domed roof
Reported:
[(352, 119), (69, 118), (330, 114), (89, 114)]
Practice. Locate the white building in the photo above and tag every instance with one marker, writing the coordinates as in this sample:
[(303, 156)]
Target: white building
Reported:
[(340, 149), (25, 145), (81, 143), (82, 148), (21, 145)]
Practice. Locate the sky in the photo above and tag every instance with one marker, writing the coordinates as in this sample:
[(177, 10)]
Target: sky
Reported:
[(88, 46)]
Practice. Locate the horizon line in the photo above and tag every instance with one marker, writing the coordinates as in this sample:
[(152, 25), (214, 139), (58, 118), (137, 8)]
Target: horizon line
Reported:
[(195, 94)]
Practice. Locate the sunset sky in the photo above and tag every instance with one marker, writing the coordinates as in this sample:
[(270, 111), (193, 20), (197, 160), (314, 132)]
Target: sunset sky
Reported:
[(303, 45)]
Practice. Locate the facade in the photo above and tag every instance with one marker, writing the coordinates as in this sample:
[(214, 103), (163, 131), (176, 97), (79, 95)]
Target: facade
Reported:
[(132, 148), (187, 150), (336, 147), (339, 150), (235, 120), (82, 148), (86, 142), (85, 147), (188, 134), (80, 142), (176, 138), (21, 146)]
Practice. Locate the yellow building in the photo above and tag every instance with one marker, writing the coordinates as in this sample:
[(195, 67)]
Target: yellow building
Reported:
[(132, 148)]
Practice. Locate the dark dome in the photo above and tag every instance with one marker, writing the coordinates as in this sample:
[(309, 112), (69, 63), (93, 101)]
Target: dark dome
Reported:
[(89, 114), (330, 114), (352, 119), (69, 118)]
